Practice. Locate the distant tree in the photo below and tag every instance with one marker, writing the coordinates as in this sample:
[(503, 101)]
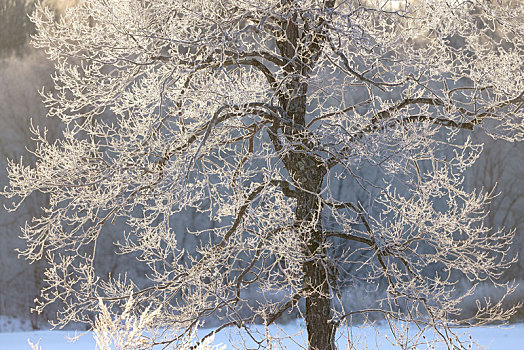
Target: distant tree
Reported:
[(20, 77), (15, 26), (500, 169), (251, 112)]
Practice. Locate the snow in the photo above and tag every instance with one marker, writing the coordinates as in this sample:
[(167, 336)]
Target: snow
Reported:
[(497, 338)]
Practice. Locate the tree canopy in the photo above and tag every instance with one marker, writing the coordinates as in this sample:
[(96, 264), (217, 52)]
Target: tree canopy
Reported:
[(253, 112)]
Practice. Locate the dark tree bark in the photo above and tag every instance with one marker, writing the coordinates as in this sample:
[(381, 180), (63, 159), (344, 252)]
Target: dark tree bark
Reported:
[(301, 47), (308, 174), (318, 302)]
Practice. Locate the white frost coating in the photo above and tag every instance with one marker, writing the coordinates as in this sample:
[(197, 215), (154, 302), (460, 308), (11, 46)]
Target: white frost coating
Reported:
[(228, 107)]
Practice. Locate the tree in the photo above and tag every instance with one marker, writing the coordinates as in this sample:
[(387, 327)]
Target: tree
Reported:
[(20, 77), (14, 25), (500, 169), (251, 112)]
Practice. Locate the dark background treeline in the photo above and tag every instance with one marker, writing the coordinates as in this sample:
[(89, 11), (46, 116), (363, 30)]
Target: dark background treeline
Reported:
[(24, 70)]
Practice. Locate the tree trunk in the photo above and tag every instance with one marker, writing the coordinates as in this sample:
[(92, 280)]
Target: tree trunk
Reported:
[(321, 330), (308, 176), (306, 171)]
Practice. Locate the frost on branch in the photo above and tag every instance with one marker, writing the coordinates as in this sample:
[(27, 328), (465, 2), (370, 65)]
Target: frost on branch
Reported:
[(126, 331), (323, 145), (130, 331)]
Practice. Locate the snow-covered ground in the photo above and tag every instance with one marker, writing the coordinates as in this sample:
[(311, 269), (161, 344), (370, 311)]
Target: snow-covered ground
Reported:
[(505, 338)]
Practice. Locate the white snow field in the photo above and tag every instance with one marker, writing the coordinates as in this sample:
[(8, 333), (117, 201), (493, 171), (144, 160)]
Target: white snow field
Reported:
[(497, 338)]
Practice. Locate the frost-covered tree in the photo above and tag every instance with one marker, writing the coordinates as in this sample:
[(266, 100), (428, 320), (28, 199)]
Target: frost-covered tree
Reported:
[(15, 26), (20, 77), (252, 111)]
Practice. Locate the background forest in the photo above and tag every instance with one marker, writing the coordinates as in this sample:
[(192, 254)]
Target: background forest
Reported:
[(24, 71)]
